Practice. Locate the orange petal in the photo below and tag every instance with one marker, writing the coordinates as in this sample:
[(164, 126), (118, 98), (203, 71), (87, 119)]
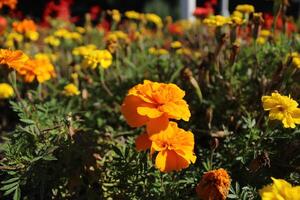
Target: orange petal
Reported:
[(142, 142), (149, 112), (158, 124), (129, 110), (167, 161)]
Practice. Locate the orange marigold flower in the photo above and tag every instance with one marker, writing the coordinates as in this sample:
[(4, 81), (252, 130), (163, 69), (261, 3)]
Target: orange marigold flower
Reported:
[(9, 3), (214, 185), (153, 104), (25, 26), (142, 142), (13, 59), (175, 148), (41, 69)]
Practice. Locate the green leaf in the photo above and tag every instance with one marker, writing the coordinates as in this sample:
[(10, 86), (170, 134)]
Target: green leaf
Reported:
[(27, 121), (10, 180), (9, 186), (17, 195)]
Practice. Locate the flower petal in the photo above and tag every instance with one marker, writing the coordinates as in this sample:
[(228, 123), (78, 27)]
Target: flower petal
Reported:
[(142, 142)]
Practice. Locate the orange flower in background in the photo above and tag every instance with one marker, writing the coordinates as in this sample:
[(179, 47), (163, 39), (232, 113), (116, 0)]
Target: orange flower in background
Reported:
[(40, 69), (214, 185), (9, 3), (25, 26), (13, 59), (175, 147), (153, 104)]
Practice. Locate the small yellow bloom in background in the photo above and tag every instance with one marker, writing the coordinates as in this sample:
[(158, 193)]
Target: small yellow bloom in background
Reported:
[(151, 17), (158, 52), (176, 45), (184, 51), (295, 59), (282, 108), (83, 50), (280, 190), (52, 40), (32, 35), (217, 20), (115, 14), (261, 40), (237, 14), (80, 29), (245, 8), (265, 33), (13, 59), (98, 57), (133, 15), (12, 38), (71, 90), (6, 91), (214, 185)]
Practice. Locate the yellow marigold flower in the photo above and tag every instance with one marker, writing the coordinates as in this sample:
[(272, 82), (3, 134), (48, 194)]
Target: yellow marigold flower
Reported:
[(184, 51), (176, 45), (52, 40), (158, 52), (282, 108), (151, 17), (6, 91), (24, 26), (216, 20), (12, 38), (83, 50), (32, 35), (281, 190), (80, 29), (71, 90), (13, 59), (115, 14), (261, 40), (245, 8), (175, 147), (133, 15), (153, 104), (296, 61), (40, 69), (265, 33), (117, 35), (9, 3), (237, 14), (214, 185), (237, 20), (98, 57)]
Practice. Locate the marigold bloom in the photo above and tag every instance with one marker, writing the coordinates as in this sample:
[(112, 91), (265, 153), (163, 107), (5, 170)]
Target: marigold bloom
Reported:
[(280, 189), (151, 17), (176, 45), (98, 57), (282, 108), (6, 91), (175, 147), (245, 8), (9, 3), (41, 69), (133, 15), (52, 40), (83, 50), (13, 59), (214, 185), (71, 90), (27, 25), (153, 104), (115, 14)]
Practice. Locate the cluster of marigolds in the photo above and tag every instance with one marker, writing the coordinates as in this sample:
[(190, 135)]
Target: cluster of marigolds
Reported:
[(151, 104)]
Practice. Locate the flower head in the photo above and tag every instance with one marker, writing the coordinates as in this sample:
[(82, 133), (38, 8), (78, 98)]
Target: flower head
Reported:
[(280, 189), (38, 68), (98, 57), (174, 146), (153, 104), (9, 3), (214, 185), (71, 90), (245, 8), (282, 108), (133, 15), (6, 91), (13, 59), (27, 25), (151, 17)]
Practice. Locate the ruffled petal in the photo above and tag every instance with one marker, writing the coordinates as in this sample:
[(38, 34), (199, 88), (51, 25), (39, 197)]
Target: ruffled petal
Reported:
[(142, 142)]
